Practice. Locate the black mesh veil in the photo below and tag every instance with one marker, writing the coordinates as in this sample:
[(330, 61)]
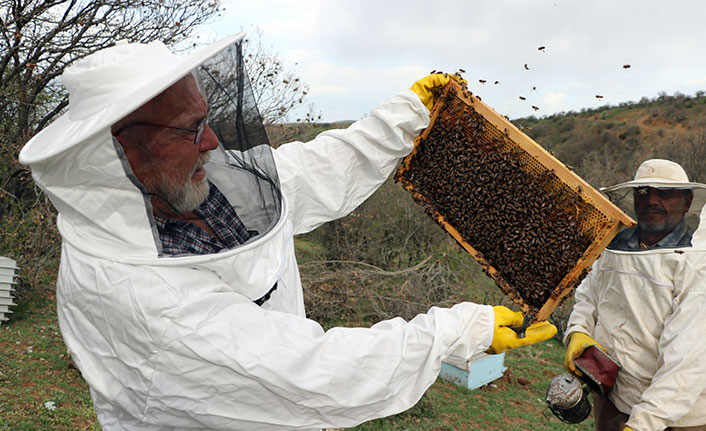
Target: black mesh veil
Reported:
[(233, 116), (242, 167)]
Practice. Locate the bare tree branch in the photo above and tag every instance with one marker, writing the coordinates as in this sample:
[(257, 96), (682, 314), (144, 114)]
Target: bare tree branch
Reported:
[(277, 90), (40, 38)]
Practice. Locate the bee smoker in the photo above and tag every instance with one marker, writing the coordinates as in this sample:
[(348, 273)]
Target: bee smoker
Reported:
[(568, 399)]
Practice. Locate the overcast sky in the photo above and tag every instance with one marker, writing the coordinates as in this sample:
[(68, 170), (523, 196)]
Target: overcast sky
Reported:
[(355, 53)]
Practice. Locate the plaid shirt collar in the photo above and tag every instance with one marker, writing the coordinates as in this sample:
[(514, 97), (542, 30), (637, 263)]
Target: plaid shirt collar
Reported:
[(179, 237), (629, 239)]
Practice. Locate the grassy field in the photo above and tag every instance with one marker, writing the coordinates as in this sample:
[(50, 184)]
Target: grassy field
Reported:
[(515, 401), (40, 389)]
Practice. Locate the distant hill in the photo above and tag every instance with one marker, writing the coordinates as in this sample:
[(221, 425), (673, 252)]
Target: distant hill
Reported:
[(605, 145), (279, 134)]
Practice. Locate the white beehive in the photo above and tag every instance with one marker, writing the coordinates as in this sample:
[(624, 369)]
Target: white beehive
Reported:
[(8, 274)]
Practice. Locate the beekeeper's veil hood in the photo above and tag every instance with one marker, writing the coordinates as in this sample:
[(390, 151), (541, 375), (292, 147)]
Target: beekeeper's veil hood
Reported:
[(103, 208), (662, 174)]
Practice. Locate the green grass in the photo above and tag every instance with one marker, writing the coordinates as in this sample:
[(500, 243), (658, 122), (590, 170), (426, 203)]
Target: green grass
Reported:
[(36, 369), (308, 250), (515, 401)]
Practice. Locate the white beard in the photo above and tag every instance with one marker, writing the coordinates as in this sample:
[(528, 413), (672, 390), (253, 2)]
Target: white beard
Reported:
[(185, 196)]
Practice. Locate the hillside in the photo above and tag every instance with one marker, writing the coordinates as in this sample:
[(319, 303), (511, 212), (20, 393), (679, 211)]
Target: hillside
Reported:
[(605, 145)]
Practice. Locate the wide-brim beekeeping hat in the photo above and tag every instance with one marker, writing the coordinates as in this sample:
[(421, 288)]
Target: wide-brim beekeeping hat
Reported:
[(107, 85), (661, 174)]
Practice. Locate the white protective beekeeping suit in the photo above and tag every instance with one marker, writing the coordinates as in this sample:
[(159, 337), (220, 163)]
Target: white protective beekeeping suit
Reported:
[(648, 310), (177, 342)]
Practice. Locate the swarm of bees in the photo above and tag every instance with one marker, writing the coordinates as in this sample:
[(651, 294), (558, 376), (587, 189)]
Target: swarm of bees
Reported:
[(534, 88), (542, 48), (524, 223)]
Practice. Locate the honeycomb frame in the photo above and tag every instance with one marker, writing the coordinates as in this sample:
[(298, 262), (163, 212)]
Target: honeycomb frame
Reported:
[(601, 221)]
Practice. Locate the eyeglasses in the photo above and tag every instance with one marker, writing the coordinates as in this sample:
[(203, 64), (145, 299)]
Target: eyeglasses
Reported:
[(198, 130)]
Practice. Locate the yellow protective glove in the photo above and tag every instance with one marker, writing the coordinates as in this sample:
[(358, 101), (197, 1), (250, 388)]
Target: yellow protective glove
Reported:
[(424, 86), (627, 428), (577, 344), (505, 338)]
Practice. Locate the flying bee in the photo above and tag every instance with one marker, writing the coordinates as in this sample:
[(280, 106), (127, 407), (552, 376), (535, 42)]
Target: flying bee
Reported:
[(598, 96), (482, 81), (497, 82), (461, 70), (626, 66), (541, 48), (523, 98), (536, 108), (526, 67)]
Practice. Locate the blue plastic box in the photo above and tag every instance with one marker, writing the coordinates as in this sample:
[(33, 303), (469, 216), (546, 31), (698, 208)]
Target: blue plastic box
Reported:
[(482, 370)]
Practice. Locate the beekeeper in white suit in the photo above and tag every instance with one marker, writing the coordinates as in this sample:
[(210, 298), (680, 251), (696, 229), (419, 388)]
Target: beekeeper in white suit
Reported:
[(644, 302), (178, 293)]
